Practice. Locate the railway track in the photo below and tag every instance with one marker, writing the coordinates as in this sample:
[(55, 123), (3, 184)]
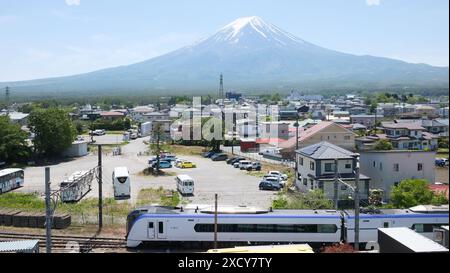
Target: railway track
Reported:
[(69, 242)]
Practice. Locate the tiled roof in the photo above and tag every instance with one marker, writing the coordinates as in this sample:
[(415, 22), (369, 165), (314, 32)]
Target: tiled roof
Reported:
[(402, 125), (326, 150)]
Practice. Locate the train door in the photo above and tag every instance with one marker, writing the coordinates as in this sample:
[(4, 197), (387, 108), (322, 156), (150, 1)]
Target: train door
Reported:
[(162, 229), (151, 230), (387, 223)]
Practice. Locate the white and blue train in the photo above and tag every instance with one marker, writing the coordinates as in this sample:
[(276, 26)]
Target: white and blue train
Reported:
[(194, 225)]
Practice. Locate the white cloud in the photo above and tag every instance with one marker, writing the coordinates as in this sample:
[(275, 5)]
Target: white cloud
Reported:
[(373, 2), (73, 2)]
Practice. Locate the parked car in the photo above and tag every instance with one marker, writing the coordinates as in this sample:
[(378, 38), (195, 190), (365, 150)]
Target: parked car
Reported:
[(210, 153), (441, 162), (187, 164), (279, 174), (133, 136), (219, 157), (237, 163), (275, 179), (234, 159), (255, 166), (152, 160), (268, 185), (168, 157), (243, 164), (98, 132), (163, 164)]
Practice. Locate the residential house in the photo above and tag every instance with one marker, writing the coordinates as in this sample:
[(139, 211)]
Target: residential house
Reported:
[(17, 117), (366, 120), (155, 116), (137, 113), (274, 129), (388, 168), (317, 170), (409, 136), (323, 131), (111, 115), (434, 126)]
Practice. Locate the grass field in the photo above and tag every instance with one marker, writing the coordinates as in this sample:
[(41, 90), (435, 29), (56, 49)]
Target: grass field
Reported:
[(31, 202)]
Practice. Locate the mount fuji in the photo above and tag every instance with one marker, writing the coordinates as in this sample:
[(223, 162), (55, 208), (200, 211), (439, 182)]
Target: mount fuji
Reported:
[(251, 54)]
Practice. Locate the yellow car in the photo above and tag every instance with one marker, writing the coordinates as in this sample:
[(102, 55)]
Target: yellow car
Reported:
[(187, 164)]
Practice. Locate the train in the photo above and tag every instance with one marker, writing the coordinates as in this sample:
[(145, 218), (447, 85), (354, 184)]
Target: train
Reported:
[(193, 225)]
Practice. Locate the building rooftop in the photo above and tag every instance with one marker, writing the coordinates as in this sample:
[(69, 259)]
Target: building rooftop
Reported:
[(413, 240), (19, 246), (402, 125), (326, 150)]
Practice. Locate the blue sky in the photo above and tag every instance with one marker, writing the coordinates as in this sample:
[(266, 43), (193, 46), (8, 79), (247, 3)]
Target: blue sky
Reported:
[(50, 38)]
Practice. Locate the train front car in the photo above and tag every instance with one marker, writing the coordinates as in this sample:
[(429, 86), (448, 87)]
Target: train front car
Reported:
[(422, 219), (194, 226)]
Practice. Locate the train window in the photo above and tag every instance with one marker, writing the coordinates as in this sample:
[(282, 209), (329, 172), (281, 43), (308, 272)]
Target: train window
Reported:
[(267, 228), (424, 227), (150, 225), (386, 224), (161, 227)]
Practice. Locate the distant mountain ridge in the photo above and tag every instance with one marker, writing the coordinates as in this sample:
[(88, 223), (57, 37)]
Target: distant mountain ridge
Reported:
[(251, 53)]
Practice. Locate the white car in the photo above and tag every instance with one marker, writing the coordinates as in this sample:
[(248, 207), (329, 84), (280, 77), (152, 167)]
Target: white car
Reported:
[(279, 174), (243, 164)]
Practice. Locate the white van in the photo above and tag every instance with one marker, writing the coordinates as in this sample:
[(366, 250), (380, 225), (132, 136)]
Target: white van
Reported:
[(121, 183), (185, 184)]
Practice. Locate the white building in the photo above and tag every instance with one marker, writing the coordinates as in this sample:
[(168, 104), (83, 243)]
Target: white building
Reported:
[(316, 170), (388, 168)]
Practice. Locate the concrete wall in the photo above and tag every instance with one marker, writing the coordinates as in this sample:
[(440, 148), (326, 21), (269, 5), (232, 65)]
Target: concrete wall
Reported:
[(379, 166)]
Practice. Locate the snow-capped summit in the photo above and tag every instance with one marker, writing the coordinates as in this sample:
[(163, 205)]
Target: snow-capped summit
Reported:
[(254, 29), (253, 54)]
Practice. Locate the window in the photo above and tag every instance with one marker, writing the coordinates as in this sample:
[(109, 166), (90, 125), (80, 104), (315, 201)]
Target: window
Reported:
[(419, 166), (396, 168), (386, 224), (424, 227), (311, 166), (263, 228), (347, 137), (329, 167), (150, 225), (312, 184), (374, 164), (381, 166), (348, 166), (305, 181), (321, 185), (300, 161), (160, 227)]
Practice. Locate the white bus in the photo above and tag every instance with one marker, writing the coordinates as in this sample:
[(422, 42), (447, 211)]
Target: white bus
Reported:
[(11, 179), (121, 183), (185, 184)]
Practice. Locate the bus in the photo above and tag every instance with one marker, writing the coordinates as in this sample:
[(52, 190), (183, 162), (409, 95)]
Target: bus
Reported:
[(11, 179), (185, 184), (121, 183)]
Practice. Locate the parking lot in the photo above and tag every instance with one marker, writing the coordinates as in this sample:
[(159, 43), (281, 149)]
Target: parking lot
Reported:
[(233, 186)]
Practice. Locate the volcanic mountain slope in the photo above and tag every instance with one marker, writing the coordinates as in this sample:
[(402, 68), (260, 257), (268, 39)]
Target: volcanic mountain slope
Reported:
[(251, 53)]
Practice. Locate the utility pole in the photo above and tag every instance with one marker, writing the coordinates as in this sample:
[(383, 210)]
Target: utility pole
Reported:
[(7, 100), (48, 212), (296, 148), (336, 186), (357, 205), (100, 194), (221, 90), (215, 221)]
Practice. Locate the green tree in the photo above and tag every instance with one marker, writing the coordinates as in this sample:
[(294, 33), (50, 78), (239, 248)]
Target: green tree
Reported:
[(53, 129), (315, 199), (383, 145), (13, 145), (413, 192)]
